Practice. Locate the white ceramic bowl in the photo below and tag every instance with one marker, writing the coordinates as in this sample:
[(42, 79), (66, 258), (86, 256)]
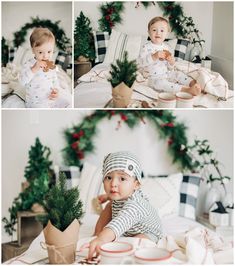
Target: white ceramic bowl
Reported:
[(166, 100), (152, 256), (115, 252), (184, 100)]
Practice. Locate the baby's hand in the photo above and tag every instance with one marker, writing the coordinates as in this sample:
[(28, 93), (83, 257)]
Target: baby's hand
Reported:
[(103, 198), (170, 59), (54, 94), (159, 55), (38, 65), (94, 247)]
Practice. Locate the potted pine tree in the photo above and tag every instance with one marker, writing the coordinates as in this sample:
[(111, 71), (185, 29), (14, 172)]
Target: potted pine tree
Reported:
[(83, 40), (64, 209), (123, 75)]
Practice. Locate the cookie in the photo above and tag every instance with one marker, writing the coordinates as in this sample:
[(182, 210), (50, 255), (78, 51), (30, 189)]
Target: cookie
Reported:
[(167, 53), (50, 65)]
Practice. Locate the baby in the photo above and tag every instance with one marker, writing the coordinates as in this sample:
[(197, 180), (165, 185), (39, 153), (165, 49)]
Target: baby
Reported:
[(156, 58), (128, 213), (42, 86)]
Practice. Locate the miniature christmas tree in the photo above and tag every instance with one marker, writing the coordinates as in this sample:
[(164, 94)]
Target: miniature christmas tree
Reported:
[(83, 40), (4, 52), (123, 71), (62, 205), (38, 175), (38, 161)]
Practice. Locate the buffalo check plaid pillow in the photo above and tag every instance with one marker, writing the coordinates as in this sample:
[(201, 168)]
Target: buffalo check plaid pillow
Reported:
[(181, 48), (188, 196), (101, 40)]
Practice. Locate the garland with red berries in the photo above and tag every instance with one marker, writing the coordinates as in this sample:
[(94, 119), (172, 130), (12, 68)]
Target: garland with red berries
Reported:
[(79, 137), (110, 15), (182, 25)]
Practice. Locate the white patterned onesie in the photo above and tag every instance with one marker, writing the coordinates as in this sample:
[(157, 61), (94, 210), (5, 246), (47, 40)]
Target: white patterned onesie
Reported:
[(39, 86), (162, 77)]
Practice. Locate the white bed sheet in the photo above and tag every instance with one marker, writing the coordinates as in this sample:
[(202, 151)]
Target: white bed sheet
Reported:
[(93, 91), (172, 225)]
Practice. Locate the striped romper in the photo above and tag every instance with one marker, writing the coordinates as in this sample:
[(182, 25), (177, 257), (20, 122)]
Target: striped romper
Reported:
[(135, 216)]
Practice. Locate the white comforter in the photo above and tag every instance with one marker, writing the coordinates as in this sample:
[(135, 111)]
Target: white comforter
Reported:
[(193, 244), (10, 74), (94, 90)]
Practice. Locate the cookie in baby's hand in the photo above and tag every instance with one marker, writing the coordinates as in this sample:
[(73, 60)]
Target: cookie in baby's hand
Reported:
[(167, 53), (50, 65), (93, 261)]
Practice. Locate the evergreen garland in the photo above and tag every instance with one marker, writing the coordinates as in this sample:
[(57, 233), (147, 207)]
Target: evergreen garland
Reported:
[(62, 205), (206, 162), (110, 15), (79, 137), (38, 175), (182, 25), (83, 40), (62, 41), (123, 71)]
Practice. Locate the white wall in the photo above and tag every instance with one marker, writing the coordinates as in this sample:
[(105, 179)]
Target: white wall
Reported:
[(222, 40), (135, 20), (21, 127), (17, 14)]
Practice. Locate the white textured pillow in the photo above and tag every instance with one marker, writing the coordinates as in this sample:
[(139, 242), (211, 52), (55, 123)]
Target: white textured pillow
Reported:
[(89, 185), (120, 42), (172, 45), (164, 193)]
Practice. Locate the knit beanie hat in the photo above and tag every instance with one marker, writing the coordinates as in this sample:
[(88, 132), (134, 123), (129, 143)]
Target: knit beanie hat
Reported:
[(124, 161)]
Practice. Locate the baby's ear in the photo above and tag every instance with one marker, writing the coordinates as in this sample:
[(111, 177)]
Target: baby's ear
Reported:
[(137, 184)]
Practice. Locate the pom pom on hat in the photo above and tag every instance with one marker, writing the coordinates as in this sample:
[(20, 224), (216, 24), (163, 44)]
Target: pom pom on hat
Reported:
[(124, 161)]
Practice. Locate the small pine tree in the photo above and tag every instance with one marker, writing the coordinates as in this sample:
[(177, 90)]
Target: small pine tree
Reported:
[(123, 71), (4, 52), (38, 161), (62, 205), (38, 175), (83, 40)]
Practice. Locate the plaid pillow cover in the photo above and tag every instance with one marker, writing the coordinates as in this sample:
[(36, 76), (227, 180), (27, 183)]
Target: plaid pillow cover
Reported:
[(101, 40), (188, 196)]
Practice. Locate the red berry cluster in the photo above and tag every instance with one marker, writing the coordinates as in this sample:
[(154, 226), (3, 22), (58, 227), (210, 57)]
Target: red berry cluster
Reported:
[(109, 11), (168, 125), (75, 144)]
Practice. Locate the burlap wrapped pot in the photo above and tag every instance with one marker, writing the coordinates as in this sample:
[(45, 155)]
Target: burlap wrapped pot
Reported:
[(61, 246), (121, 95)]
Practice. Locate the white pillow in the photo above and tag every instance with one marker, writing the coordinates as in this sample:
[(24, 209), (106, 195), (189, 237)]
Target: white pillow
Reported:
[(120, 42), (172, 45), (89, 185), (164, 193)]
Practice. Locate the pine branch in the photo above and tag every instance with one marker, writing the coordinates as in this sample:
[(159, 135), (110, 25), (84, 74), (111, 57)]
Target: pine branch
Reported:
[(123, 71), (62, 205)]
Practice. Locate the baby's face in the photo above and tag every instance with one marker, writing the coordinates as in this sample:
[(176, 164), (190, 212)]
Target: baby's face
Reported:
[(158, 32), (118, 185), (44, 51)]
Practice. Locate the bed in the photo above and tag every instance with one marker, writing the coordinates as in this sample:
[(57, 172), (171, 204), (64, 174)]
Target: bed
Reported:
[(13, 94), (194, 243), (94, 91)]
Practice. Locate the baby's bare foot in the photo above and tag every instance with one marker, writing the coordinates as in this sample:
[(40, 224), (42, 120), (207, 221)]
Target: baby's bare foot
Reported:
[(195, 89)]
